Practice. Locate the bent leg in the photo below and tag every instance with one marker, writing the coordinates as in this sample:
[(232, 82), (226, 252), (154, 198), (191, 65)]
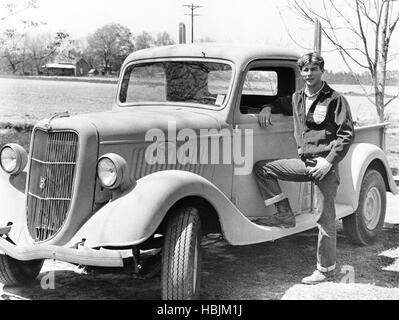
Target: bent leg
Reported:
[(268, 172)]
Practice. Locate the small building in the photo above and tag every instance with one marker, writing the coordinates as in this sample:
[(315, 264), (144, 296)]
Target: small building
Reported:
[(59, 69), (82, 68)]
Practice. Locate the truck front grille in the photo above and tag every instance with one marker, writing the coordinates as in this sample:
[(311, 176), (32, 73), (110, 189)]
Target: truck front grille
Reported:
[(50, 188)]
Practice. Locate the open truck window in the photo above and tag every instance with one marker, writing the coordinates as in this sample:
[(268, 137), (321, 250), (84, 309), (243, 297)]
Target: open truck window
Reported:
[(264, 85)]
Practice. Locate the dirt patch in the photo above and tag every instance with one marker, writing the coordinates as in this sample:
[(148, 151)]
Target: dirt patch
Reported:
[(265, 271)]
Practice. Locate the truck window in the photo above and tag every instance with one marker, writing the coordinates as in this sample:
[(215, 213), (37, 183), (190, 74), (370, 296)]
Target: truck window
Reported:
[(141, 79), (264, 85), (205, 83)]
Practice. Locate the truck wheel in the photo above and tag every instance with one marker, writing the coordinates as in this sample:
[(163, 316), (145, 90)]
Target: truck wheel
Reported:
[(181, 258), (364, 225), (17, 273)]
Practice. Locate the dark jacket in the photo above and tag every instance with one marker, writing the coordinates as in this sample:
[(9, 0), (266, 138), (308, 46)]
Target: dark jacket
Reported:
[(327, 131)]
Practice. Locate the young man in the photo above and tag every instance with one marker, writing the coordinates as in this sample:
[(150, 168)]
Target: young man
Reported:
[(323, 132)]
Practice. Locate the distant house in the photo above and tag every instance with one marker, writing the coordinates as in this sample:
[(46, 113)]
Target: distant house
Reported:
[(82, 68), (59, 69), (78, 68)]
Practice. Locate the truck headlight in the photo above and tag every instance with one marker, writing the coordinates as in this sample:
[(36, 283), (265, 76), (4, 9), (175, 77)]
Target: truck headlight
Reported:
[(13, 158), (111, 169)]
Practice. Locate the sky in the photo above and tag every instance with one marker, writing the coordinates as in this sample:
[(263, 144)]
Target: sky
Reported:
[(237, 21)]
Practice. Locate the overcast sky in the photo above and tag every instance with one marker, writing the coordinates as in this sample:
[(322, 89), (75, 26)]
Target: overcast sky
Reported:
[(247, 21)]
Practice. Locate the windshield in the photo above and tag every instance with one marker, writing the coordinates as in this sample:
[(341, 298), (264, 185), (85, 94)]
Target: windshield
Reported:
[(176, 81)]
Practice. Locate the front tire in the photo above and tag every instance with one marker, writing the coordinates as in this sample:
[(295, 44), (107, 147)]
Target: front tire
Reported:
[(181, 258), (18, 273), (363, 226)]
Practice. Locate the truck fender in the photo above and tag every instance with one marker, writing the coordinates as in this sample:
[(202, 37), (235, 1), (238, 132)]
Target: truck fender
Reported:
[(134, 217), (353, 168), (13, 205)]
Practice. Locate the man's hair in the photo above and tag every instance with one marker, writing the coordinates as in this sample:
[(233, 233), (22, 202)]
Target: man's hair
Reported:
[(312, 57)]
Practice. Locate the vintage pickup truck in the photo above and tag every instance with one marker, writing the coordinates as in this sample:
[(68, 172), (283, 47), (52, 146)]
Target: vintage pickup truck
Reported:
[(170, 163)]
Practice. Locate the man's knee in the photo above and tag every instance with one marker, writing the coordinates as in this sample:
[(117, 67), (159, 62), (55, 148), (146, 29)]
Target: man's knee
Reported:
[(260, 169)]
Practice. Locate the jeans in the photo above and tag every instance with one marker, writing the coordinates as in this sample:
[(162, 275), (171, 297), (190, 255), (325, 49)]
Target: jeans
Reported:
[(267, 173)]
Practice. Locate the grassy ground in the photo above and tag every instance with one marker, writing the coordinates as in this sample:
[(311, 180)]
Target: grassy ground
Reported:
[(15, 136)]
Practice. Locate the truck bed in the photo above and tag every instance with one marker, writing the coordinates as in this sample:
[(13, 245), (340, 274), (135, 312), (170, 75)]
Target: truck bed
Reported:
[(374, 134)]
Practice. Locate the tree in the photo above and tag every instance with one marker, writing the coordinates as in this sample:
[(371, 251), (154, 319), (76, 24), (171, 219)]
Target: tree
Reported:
[(11, 38), (41, 47), (110, 45), (11, 48), (12, 44), (143, 41), (164, 39), (371, 23)]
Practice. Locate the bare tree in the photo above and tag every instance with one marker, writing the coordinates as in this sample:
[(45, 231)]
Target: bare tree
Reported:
[(11, 48), (12, 45), (372, 26)]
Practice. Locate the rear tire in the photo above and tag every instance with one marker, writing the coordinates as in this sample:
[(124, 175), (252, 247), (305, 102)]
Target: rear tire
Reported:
[(17, 273), (364, 225), (181, 258)]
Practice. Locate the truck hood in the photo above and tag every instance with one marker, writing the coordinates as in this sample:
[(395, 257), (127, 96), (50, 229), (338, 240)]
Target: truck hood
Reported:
[(134, 123)]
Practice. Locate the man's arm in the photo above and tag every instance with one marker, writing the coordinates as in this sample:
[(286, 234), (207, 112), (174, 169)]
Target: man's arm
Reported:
[(280, 105), (345, 132)]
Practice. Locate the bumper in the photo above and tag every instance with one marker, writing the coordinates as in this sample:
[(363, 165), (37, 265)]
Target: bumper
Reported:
[(81, 255)]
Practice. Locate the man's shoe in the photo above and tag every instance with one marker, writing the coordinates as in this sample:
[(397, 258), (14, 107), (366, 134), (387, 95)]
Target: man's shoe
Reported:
[(284, 218), (319, 277)]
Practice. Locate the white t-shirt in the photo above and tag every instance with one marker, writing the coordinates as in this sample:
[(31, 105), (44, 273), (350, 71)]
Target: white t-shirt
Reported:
[(308, 103), (310, 99)]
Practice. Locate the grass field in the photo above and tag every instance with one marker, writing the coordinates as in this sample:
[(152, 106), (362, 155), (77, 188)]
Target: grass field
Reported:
[(24, 100)]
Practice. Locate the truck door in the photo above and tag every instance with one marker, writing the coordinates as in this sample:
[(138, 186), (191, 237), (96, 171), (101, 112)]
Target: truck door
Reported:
[(263, 82)]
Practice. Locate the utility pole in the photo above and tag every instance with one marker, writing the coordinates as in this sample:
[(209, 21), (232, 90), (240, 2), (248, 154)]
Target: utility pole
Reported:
[(192, 7)]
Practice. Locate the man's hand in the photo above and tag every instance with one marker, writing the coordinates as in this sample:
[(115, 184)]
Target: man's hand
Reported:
[(265, 117), (320, 170)]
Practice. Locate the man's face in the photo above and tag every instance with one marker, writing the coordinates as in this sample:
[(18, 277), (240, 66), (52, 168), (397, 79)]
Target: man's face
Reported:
[(312, 74)]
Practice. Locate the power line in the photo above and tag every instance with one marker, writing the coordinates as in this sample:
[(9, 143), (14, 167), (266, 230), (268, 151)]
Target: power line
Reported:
[(192, 7)]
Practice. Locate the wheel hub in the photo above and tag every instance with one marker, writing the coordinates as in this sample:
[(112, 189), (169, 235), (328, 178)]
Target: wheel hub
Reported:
[(372, 208)]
